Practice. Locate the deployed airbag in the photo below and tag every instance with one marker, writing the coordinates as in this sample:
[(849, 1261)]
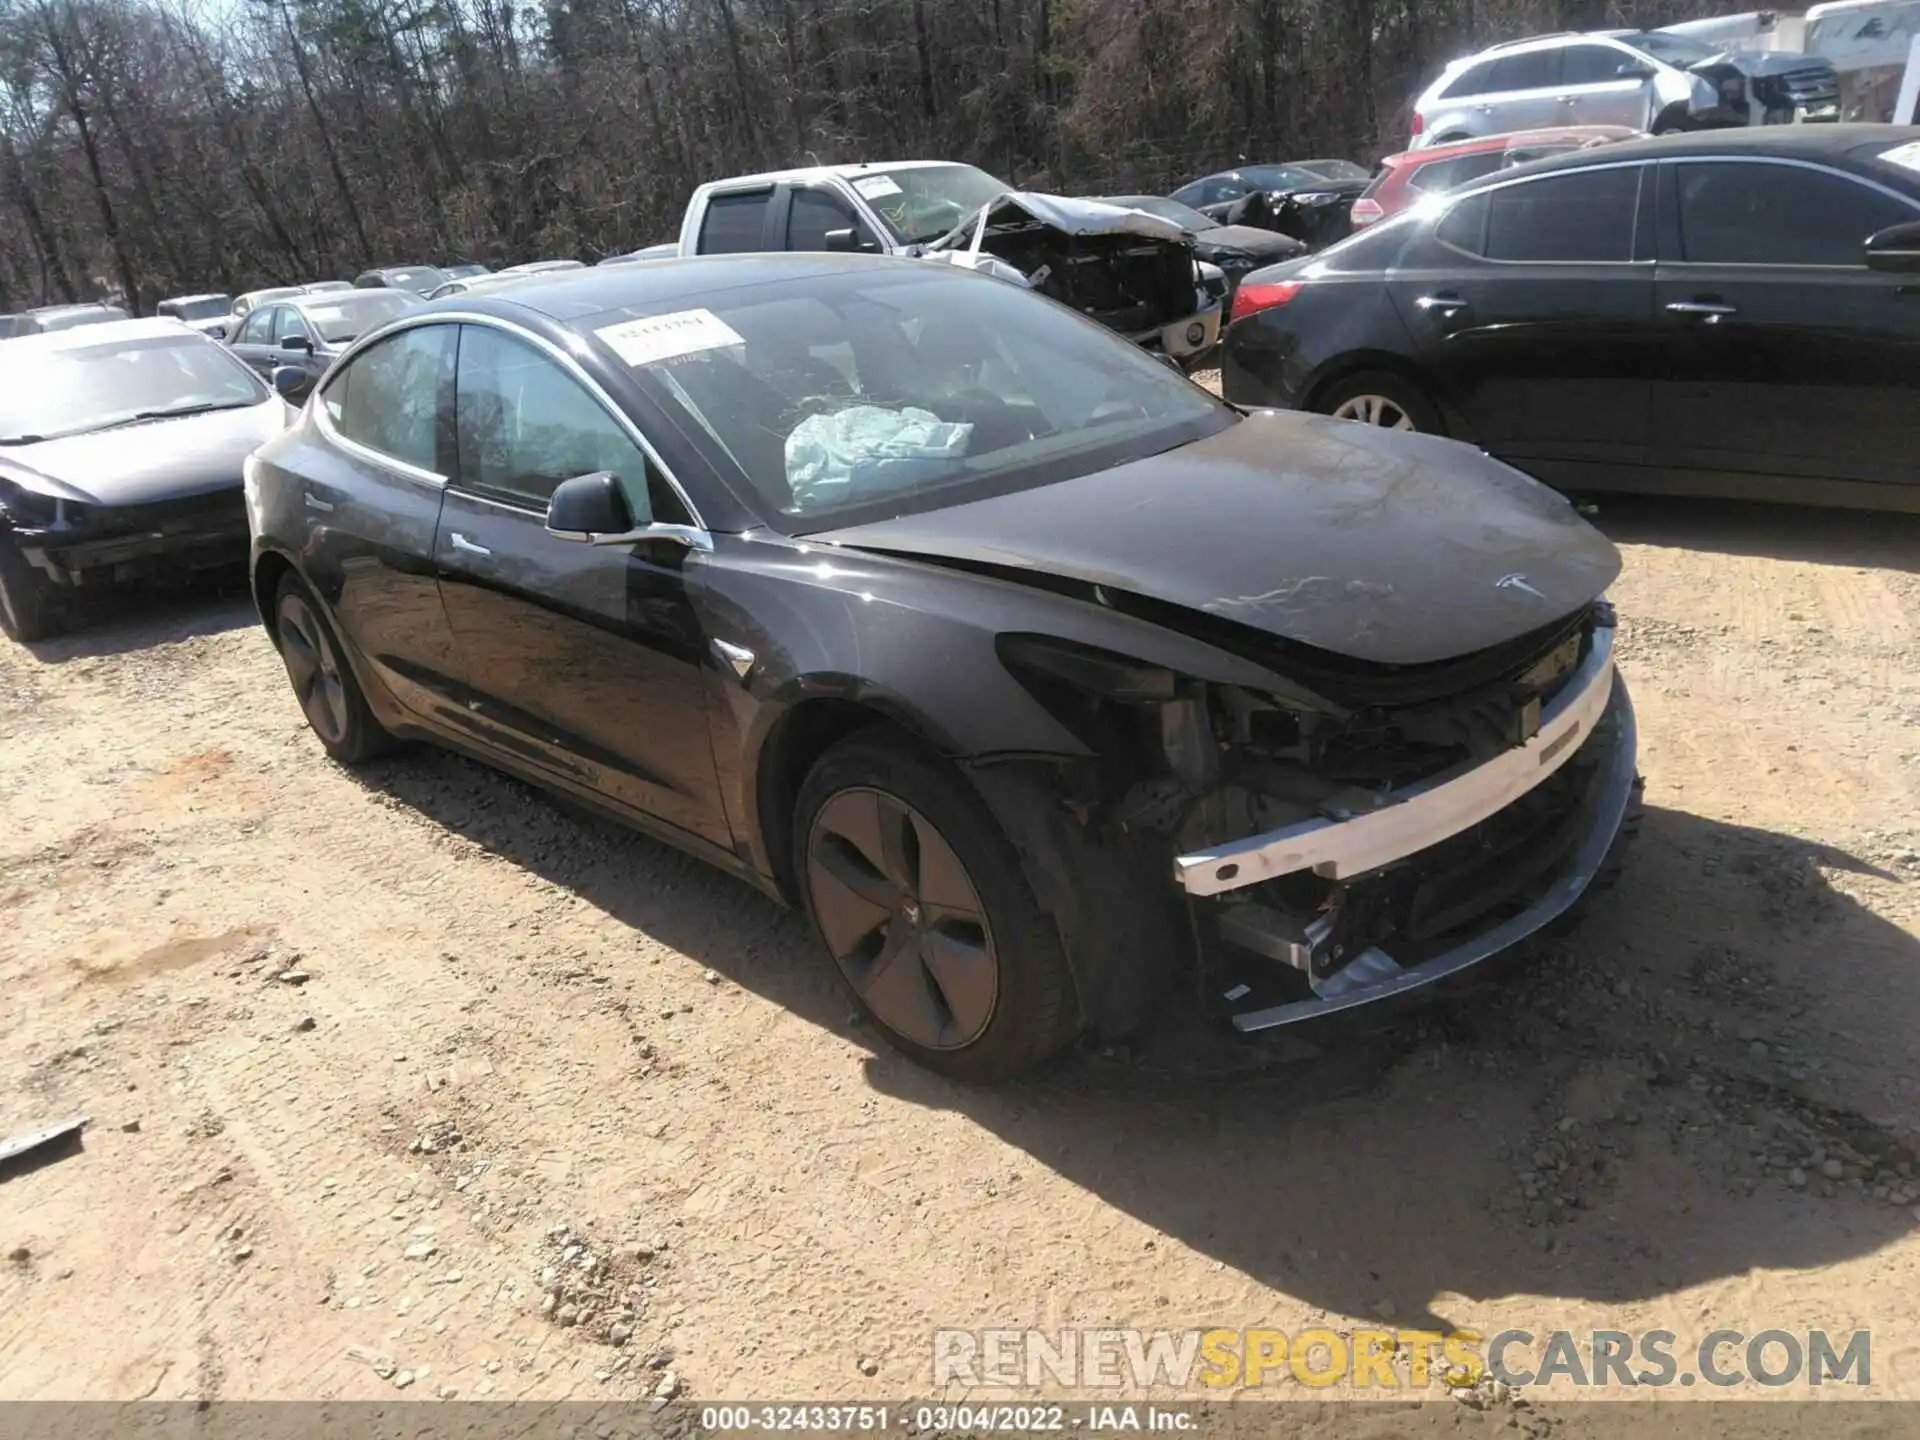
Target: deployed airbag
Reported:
[(865, 450)]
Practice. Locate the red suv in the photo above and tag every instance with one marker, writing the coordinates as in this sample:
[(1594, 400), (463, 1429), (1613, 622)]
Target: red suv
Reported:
[(1403, 179)]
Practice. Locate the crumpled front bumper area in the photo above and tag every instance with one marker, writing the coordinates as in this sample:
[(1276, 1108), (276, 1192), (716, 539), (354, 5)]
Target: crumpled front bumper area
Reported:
[(190, 532), (1507, 846)]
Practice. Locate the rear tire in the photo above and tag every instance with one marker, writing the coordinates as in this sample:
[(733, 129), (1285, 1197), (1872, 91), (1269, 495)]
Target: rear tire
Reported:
[(921, 903), (30, 608), (323, 682), (1381, 398)]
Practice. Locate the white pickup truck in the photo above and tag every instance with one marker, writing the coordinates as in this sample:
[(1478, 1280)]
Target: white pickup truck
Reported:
[(1131, 271)]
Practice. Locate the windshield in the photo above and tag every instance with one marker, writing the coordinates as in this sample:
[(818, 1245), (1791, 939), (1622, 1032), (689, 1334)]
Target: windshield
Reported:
[(69, 392), (923, 203), (340, 320), (1673, 49), (845, 397), (1183, 215), (207, 307)]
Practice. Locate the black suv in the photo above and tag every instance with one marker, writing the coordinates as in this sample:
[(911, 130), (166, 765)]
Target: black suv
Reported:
[(1728, 313)]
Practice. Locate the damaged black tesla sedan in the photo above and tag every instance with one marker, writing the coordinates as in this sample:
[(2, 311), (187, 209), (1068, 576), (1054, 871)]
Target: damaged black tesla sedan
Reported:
[(1037, 676)]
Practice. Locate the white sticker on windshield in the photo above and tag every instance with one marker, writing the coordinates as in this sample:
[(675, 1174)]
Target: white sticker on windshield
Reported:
[(876, 187), (668, 337), (1906, 156)]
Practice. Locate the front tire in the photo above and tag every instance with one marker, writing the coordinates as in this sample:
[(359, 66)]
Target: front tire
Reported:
[(323, 682), (30, 608), (920, 901), (1380, 398)]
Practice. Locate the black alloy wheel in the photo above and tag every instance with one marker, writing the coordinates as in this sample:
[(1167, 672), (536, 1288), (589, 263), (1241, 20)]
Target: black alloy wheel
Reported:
[(902, 919), (323, 683), (29, 609), (924, 905)]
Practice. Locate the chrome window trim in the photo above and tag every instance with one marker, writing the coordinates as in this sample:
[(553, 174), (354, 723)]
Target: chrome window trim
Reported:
[(1796, 164), (568, 363)]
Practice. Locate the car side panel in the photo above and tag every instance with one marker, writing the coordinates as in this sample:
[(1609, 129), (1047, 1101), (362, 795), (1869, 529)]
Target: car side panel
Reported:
[(361, 535)]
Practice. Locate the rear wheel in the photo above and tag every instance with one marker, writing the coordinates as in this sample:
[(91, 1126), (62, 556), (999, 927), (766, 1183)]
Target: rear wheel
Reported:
[(1380, 398), (30, 608), (921, 902), (324, 684)]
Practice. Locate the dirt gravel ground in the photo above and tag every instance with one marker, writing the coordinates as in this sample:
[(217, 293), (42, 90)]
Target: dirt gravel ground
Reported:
[(377, 1063)]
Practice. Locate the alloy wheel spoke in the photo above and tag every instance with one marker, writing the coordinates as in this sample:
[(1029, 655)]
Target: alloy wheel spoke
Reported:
[(901, 992), (850, 898), (961, 964)]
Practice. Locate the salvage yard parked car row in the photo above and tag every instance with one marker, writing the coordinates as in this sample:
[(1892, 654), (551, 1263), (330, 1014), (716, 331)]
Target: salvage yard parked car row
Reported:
[(857, 551)]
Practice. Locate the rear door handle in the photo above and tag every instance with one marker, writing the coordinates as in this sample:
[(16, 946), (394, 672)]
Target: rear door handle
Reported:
[(1708, 310), (1443, 305), (461, 542), (314, 502)]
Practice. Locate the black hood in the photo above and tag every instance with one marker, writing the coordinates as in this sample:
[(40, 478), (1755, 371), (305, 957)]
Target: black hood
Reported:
[(1265, 247), (1376, 545)]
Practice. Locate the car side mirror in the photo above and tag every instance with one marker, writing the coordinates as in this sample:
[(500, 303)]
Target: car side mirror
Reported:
[(299, 344), (1897, 248), (848, 242), (291, 383)]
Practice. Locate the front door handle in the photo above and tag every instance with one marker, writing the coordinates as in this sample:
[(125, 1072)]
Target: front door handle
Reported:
[(1444, 305), (461, 542), (314, 502), (1708, 310)]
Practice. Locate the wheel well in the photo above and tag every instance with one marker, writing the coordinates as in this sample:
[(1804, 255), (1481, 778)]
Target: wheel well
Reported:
[(272, 568), (1393, 365), (1675, 114), (801, 737)]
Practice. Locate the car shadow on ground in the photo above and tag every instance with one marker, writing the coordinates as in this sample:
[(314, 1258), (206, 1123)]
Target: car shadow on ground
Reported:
[(1595, 1123), (1780, 532), (137, 616)]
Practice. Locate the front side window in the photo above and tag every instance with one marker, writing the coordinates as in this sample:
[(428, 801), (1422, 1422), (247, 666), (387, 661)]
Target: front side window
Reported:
[(1585, 216), (287, 324), (98, 387), (259, 328), (392, 399), (735, 224), (1533, 70), (813, 213), (340, 318), (1596, 65), (1762, 214), (524, 425), (843, 396)]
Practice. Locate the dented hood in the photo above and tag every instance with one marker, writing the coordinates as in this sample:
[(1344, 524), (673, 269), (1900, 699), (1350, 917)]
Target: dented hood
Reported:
[(1375, 544)]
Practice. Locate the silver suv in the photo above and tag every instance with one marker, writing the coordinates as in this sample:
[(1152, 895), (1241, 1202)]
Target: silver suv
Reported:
[(1648, 79)]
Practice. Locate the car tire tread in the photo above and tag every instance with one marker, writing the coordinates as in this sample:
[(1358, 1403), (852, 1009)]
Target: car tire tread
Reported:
[(29, 610)]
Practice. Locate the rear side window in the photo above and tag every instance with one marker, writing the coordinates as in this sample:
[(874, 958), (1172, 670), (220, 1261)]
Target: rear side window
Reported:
[(1471, 81), (1586, 216), (393, 391), (735, 224), (1754, 214), (1441, 176)]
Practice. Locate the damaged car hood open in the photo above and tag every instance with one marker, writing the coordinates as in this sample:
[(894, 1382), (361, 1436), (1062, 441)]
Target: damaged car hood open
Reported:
[(1375, 545)]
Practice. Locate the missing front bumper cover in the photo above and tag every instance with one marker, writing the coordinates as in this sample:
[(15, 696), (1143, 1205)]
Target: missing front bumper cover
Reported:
[(1422, 815), (1375, 974)]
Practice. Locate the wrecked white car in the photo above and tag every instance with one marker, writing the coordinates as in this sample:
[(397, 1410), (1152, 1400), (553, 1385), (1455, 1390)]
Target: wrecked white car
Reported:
[(1133, 272)]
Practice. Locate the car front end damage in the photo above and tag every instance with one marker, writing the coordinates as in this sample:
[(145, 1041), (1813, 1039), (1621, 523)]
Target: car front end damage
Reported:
[(1134, 273), (1353, 838), (75, 544), (1759, 87)]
